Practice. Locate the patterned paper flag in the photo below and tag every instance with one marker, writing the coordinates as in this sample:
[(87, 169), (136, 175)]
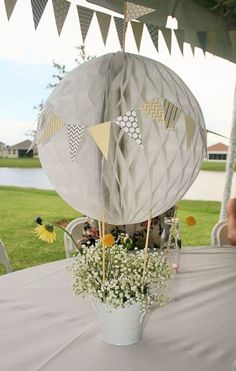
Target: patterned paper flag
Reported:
[(38, 9), (204, 138), (104, 21), (101, 135), (154, 34), (190, 130), (154, 109), (163, 111), (10, 5), (45, 116), (137, 31), (61, 9), (129, 123), (119, 23), (85, 18), (52, 127), (134, 11), (74, 134)]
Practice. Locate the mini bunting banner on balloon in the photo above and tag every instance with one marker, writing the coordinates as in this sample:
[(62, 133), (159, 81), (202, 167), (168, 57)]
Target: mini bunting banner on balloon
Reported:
[(45, 116), (129, 123), (154, 34), (9, 5), (38, 9), (190, 130), (134, 11), (61, 9), (53, 126), (85, 18), (74, 134), (163, 111), (101, 135), (104, 21)]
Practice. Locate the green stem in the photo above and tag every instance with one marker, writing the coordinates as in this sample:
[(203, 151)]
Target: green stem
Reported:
[(70, 235)]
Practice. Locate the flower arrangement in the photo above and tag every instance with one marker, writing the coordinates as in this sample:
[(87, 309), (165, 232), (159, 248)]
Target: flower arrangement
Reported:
[(125, 282)]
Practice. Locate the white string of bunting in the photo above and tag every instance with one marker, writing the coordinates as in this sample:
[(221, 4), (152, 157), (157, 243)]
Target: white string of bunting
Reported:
[(204, 39)]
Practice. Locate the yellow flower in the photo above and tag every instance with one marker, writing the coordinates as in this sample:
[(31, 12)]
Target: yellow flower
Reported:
[(190, 221), (108, 240), (45, 233)]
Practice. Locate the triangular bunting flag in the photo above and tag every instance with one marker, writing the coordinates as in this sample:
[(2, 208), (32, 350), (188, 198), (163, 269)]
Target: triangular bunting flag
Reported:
[(202, 37), (190, 130), (134, 11), (129, 123), (10, 5), (232, 35), (74, 134), (154, 109), (44, 117), (101, 135), (212, 37), (204, 138), (179, 34), (61, 9), (138, 31), (85, 18), (171, 113), (104, 21), (38, 9), (120, 24), (166, 32), (153, 31), (52, 127)]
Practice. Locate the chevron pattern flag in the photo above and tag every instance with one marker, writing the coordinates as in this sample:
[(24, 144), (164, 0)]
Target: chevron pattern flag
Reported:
[(61, 9), (53, 126), (154, 109), (129, 123), (38, 9), (134, 11), (10, 5), (74, 134)]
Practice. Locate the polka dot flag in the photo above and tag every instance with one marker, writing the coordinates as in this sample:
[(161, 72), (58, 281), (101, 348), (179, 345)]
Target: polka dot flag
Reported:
[(129, 123)]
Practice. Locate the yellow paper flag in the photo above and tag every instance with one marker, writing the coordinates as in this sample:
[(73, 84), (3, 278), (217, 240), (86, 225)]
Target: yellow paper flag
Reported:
[(101, 135), (190, 130)]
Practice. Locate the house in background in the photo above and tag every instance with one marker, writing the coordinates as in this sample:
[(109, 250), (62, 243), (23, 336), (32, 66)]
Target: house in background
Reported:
[(3, 149), (20, 150), (217, 152)]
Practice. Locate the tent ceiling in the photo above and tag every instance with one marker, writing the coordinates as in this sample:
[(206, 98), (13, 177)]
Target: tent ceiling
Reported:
[(195, 17)]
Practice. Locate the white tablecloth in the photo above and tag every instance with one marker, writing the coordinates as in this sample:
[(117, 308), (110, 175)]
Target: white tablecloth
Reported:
[(44, 327)]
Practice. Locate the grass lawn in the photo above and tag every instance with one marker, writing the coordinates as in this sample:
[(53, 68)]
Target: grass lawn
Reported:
[(20, 162), (214, 166), (19, 207)]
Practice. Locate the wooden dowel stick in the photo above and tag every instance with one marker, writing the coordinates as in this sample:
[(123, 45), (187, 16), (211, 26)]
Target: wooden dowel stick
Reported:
[(100, 229), (103, 251), (146, 244)]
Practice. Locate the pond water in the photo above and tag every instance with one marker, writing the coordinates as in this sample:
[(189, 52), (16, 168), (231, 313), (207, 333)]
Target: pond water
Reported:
[(208, 186)]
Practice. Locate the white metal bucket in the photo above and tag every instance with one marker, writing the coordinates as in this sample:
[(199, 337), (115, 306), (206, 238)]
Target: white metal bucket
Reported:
[(120, 326)]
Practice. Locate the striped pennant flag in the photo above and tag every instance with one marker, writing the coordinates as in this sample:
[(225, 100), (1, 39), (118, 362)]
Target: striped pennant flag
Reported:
[(61, 9), (38, 7), (74, 134), (52, 127), (10, 5), (171, 113), (85, 18)]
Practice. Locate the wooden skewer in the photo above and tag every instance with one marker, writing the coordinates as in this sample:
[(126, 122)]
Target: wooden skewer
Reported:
[(146, 246), (103, 251)]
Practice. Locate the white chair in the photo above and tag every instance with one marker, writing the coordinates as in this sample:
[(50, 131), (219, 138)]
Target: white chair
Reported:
[(4, 258), (219, 234), (75, 228)]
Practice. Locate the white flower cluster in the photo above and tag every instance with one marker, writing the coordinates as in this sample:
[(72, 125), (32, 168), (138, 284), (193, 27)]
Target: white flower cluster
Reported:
[(124, 282)]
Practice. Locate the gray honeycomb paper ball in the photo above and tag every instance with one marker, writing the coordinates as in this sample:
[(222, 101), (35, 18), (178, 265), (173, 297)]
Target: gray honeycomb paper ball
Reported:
[(133, 180)]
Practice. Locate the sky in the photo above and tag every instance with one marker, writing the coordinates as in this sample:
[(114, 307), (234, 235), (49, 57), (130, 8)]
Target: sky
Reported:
[(26, 67)]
